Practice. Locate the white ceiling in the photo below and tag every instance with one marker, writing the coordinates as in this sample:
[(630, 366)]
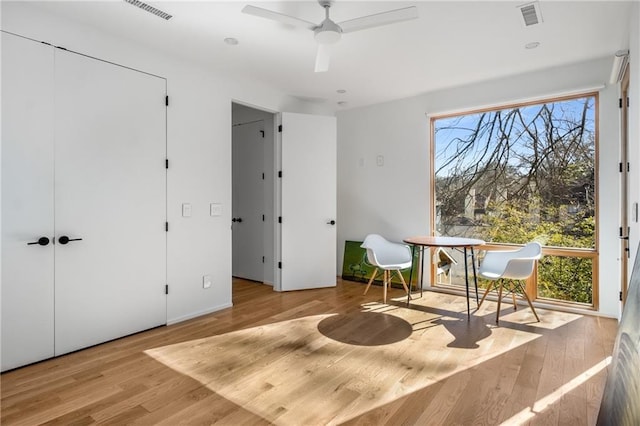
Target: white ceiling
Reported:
[(451, 43)]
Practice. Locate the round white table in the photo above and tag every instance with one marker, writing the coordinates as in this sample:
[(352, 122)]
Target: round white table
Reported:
[(459, 243)]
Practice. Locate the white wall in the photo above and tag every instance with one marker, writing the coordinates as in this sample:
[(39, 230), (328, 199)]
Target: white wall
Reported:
[(199, 150), (394, 199)]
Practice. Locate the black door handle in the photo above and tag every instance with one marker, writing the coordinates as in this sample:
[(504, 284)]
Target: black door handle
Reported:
[(331, 222), (43, 241), (64, 239), (239, 219)]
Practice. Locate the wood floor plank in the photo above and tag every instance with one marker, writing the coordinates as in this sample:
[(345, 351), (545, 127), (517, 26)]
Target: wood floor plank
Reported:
[(328, 356)]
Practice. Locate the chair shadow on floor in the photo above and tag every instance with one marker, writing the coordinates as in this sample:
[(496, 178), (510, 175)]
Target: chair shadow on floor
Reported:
[(466, 333)]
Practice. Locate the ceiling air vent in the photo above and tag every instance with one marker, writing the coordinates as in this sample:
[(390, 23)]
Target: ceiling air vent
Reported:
[(531, 14), (150, 9)]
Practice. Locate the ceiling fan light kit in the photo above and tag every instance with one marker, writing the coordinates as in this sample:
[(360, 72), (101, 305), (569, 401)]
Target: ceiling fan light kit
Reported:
[(328, 32)]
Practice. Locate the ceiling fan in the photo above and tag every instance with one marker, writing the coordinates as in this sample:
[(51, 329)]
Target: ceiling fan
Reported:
[(329, 32)]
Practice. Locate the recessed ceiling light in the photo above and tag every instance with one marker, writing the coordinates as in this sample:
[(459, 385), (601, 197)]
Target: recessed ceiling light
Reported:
[(231, 41), (342, 103), (532, 45), (341, 91)]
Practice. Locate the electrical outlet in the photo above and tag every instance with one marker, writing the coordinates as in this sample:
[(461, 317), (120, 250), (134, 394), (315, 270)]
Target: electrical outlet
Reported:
[(206, 281)]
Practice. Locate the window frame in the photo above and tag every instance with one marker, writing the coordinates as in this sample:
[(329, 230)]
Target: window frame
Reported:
[(590, 253)]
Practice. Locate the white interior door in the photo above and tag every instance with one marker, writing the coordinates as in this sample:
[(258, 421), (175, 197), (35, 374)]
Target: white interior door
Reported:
[(308, 202), (624, 193), (110, 193), (27, 201), (248, 201)]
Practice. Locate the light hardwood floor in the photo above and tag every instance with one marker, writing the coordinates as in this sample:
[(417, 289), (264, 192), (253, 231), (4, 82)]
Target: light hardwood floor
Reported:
[(329, 356)]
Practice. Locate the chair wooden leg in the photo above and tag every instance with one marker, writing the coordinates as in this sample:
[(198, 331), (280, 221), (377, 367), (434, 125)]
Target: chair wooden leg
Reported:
[(373, 276), (384, 286), (485, 293), (404, 283), (526, 296), (513, 296), (499, 301)]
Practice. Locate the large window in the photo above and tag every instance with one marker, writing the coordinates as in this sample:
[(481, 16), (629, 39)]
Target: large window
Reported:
[(523, 173)]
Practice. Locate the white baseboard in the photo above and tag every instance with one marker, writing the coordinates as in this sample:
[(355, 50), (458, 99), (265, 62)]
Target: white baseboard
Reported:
[(198, 314)]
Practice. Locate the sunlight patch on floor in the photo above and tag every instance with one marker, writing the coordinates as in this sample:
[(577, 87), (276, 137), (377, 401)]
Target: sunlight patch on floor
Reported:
[(543, 403), (292, 372)]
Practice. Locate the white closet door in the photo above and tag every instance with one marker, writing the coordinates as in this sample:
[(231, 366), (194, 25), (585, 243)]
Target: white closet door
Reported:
[(27, 201), (248, 201), (110, 181), (308, 230)]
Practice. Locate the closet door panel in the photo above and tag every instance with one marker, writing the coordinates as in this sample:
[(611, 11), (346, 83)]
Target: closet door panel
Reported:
[(110, 193), (27, 201)]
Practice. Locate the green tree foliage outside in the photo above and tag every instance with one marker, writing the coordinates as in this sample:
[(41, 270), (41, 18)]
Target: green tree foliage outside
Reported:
[(562, 278)]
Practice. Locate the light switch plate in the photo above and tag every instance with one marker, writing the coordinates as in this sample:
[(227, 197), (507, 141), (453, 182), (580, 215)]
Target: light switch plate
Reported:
[(215, 209), (186, 210), (206, 281), (380, 160)]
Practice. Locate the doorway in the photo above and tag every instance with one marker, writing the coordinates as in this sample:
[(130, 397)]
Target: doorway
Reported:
[(253, 194)]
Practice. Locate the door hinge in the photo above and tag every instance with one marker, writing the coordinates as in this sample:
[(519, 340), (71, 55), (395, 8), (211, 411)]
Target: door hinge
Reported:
[(280, 128), (166, 289), (279, 219), (619, 102), (279, 265), (628, 167), (621, 231), (620, 167), (166, 100), (263, 218), (262, 133), (262, 259), (263, 176), (166, 163), (166, 226), (621, 296), (279, 173)]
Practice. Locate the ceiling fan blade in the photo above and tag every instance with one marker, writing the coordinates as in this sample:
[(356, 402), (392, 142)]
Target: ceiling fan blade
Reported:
[(379, 19), (279, 17), (322, 58)]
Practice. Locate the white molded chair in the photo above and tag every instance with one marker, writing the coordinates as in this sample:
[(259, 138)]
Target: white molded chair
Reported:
[(511, 267), (388, 256)]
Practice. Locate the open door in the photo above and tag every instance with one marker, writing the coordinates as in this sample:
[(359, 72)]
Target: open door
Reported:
[(308, 202)]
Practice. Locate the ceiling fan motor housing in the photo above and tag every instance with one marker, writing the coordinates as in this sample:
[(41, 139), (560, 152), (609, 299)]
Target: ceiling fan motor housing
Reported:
[(328, 32)]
